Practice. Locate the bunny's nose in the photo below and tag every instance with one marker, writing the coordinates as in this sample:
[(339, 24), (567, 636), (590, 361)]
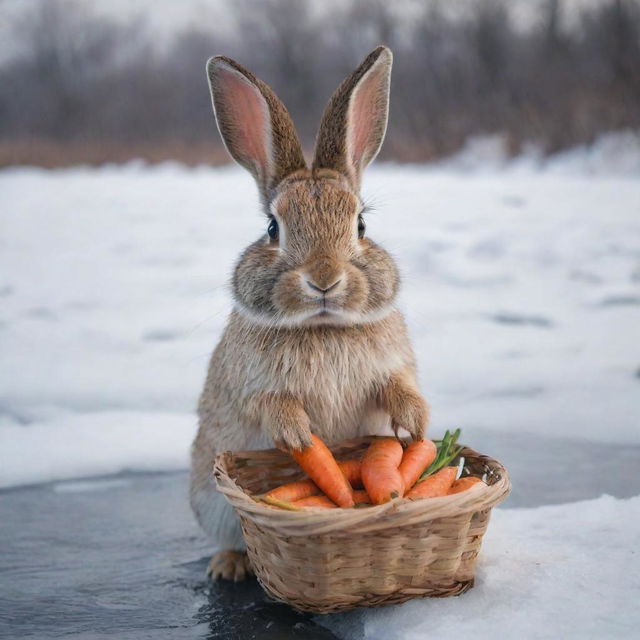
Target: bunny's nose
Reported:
[(325, 289), (324, 275)]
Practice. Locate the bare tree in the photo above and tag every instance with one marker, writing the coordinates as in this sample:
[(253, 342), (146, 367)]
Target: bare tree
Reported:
[(96, 89)]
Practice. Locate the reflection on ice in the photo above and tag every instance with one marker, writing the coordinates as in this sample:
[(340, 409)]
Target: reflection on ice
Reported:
[(79, 486)]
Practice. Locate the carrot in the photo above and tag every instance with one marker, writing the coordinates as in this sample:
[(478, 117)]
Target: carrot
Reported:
[(293, 491), (320, 465), (315, 501), (415, 459), (462, 484), (299, 489), (361, 497), (352, 470), (380, 474), (435, 485)]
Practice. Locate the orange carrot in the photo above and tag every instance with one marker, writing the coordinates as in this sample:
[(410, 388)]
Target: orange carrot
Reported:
[(463, 484), (415, 459), (299, 489), (434, 485), (352, 470), (293, 491), (320, 465), (361, 497), (315, 501), (380, 474)]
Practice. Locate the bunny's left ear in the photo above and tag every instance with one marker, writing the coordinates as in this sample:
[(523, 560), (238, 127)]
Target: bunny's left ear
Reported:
[(254, 124), (355, 119)]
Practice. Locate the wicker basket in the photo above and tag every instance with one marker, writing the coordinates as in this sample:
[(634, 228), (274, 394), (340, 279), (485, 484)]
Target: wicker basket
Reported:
[(332, 560)]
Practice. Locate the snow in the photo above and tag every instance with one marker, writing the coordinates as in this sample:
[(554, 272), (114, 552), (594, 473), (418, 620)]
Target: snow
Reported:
[(521, 290), (564, 571), (612, 154), (100, 443)]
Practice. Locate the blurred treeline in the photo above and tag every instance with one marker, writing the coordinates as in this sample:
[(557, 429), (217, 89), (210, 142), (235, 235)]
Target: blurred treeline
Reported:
[(84, 88)]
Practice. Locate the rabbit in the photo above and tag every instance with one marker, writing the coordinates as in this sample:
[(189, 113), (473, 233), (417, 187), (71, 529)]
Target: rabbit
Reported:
[(314, 342)]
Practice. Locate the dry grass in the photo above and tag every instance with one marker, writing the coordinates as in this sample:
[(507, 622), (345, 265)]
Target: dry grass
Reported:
[(53, 154)]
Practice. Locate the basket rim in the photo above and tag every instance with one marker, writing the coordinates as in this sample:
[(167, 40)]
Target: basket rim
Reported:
[(397, 512)]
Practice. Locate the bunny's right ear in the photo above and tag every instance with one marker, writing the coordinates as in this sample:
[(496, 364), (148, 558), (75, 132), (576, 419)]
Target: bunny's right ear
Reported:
[(355, 120), (254, 124)]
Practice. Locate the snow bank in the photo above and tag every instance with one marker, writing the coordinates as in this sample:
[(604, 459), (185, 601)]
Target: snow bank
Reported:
[(568, 571), (613, 154), (520, 290), (76, 446)]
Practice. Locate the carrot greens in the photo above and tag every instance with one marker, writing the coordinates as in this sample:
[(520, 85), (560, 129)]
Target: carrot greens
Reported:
[(448, 450)]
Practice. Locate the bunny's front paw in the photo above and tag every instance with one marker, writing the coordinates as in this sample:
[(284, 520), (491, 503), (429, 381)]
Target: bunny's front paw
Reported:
[(292, 432), (406, 407), (285, 420), (412, 415)]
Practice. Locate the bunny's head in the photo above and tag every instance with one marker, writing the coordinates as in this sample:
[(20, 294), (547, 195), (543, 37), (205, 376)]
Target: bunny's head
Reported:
[(314, 264)]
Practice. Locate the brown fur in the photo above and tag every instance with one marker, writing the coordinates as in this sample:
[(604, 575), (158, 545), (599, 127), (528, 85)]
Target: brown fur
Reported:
[(292, 359)]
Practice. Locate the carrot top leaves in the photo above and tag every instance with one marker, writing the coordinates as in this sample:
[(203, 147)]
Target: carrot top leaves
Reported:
[(447, 451)]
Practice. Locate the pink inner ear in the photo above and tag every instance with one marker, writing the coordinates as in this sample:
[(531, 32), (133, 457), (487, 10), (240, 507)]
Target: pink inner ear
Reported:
[(248, 117), (367, 117)]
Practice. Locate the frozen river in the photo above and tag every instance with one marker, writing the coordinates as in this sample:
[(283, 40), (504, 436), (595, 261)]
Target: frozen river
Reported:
[(122, 557)]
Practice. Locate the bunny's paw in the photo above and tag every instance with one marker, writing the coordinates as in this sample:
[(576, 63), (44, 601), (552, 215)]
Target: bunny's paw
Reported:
[(229, 565), (412, 415)]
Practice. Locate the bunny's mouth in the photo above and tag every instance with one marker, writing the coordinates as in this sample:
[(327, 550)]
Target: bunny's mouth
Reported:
[(325, 312), (332, 315), (344, 317), (329, 312)]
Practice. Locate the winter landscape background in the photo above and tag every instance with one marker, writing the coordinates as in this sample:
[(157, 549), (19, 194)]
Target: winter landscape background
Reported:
[(521, 287), (521, 292)]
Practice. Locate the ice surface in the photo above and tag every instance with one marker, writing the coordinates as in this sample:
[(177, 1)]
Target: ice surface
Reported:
[(521, 290), (568, 571)]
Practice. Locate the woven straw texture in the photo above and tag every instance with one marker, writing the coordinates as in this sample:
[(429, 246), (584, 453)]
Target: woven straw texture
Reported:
[(332, 560)]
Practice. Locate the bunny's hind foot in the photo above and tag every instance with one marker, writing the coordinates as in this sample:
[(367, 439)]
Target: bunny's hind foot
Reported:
[(229, 565)]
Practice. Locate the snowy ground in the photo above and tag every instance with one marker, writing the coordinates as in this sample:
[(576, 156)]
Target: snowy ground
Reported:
[(521, 288), (522, 292), (552, 572)]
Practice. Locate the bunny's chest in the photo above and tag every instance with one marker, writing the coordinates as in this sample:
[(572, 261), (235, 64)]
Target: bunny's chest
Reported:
[(331, 370)]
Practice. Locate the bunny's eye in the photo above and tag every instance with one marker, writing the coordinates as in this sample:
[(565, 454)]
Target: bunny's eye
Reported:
[(272, 229), (361, 227)]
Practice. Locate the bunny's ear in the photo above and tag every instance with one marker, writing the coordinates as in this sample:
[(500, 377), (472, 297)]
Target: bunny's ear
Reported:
[(355, 120), (254, 124)]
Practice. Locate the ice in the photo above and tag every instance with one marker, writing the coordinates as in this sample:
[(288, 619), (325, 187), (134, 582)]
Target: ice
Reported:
[(521, 290), (565, 571), (89, 486)]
